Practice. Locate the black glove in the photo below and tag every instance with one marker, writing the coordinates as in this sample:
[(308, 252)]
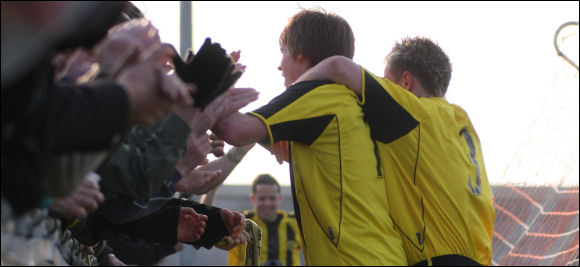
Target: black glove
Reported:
[(208, 70), (226, 82)]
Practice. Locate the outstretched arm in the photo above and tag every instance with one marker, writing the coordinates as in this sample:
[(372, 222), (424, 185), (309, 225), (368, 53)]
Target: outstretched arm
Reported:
[(338, 69), (226, 164), (240, 129)]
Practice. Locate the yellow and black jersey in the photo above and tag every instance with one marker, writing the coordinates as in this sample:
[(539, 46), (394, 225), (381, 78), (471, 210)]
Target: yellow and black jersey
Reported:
[(338, 190), (280, 241), (435, 177)]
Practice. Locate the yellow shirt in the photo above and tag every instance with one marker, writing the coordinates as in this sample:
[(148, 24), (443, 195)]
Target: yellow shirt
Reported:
[(280, 241), (439, 194), (339, 196)]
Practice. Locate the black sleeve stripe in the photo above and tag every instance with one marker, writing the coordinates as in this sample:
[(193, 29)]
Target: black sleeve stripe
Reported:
[(293, 188), (290, 236), (305, 131), (273, 241), (249, 214), (290, 95), (387, 119)]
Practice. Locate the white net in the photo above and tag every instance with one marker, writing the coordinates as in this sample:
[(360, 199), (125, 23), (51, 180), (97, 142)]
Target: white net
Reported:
[(536, 200)]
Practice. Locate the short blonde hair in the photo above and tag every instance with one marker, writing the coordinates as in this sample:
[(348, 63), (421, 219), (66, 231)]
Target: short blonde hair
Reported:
[(425, 60)]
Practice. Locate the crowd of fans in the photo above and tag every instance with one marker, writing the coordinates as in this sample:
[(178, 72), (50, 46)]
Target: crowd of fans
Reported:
[(105, 137), (106, 132)]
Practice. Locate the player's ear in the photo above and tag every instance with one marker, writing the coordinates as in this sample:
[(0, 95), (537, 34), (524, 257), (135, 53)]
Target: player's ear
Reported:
[(407, 80), (303, 59)]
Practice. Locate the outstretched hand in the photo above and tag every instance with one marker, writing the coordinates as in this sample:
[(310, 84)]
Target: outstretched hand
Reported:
[(126, 44), (228, 242), (191, 225), (197, 182), (151, 91), (217, 145), (141, 30), (235, 222), (225, 104), (84, 199), (197, 149)]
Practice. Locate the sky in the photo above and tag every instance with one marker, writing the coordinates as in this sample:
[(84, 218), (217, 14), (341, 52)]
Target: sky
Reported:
[(503, 57)]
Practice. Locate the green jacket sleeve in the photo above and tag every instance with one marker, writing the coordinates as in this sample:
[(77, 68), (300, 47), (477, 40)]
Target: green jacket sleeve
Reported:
[(146, 158)]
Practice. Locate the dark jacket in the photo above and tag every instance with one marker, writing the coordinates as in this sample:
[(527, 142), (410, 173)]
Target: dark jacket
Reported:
[(160, 226), (147, 157), (41, 117)]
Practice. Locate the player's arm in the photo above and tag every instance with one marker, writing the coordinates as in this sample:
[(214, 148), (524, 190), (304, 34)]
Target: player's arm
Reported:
[(338, 69), (241, 129)]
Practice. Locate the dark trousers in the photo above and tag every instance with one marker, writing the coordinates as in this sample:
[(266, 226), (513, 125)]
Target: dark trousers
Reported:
[(449, 260)]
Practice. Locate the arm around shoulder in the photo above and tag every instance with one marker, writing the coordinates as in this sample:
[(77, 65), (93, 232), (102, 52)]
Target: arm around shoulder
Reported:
[(338, 69)]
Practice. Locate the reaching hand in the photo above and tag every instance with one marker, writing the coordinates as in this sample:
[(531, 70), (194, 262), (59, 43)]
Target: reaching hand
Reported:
[(235, 55), (151, 92), (235, 222), (191, 225), (126, 44), (115, 53), (84, 199), (228, 242), (217, 145), (77, 64), (140, 30), (237, 98), (196, 154), (197, 182), (225, 104)]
